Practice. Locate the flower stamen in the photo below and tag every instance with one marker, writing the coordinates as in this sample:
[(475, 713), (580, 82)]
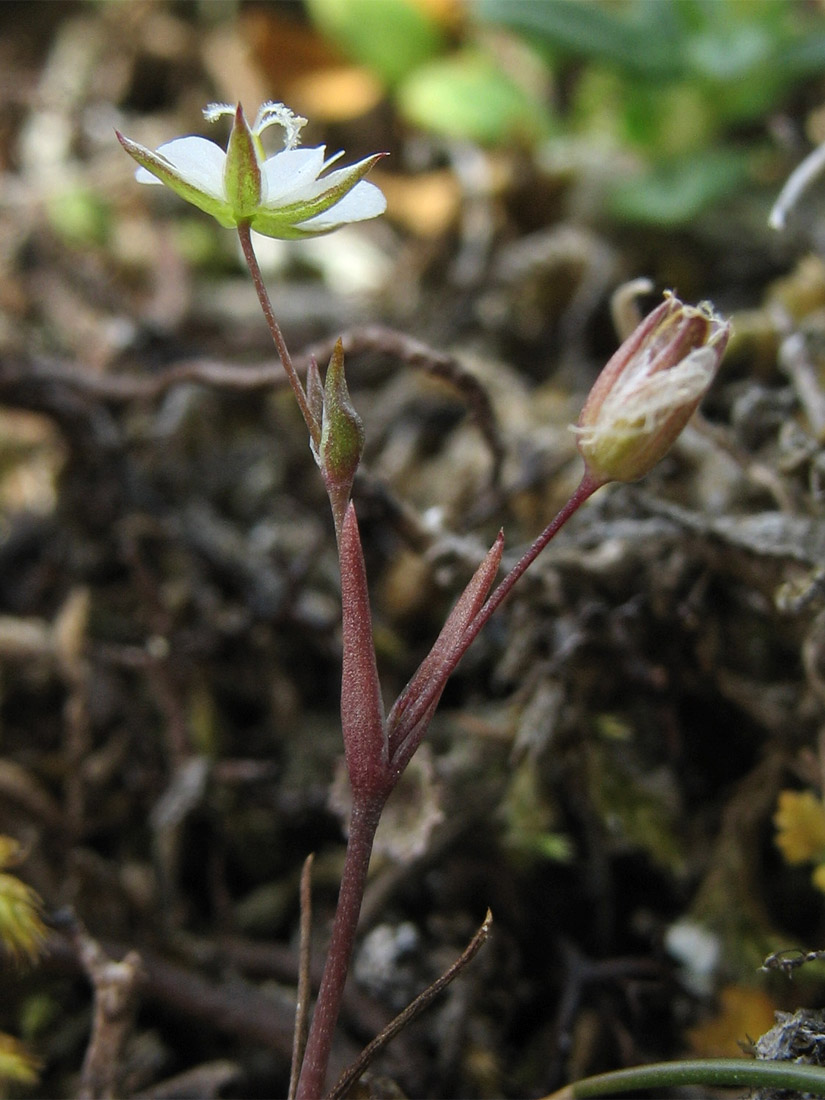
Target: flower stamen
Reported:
[(272, 114), (213, 111)]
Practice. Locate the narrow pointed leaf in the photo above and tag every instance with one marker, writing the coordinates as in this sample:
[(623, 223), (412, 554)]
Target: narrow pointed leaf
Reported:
[(242, 174), (436, 668), (414, 734), (362, 711), (342, 430)]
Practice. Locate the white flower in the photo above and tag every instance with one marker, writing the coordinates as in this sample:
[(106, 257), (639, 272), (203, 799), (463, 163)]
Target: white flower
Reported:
[(284, 195)]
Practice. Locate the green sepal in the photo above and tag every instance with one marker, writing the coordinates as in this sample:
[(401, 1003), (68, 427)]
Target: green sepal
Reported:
[(242, 172), (160, 168), (284, 222)]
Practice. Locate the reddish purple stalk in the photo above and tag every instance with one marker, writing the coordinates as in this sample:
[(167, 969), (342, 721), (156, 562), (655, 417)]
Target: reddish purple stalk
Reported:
[(406, 730), (378, 749), (374, 773), (362, 826)]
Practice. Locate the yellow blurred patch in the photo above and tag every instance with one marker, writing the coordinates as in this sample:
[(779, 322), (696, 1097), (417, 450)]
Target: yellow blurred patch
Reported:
[(744, 1014), (16, 1064), (427, 204), (337, 94), (800, 824)]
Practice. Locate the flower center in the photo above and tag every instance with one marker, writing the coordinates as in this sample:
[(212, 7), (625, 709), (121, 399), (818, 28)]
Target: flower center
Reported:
[(269, 114)]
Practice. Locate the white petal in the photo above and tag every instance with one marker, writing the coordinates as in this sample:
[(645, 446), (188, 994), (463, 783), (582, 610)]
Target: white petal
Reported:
[(142, 176), (198, 161), (330, 181), (289, 172), (364, 201)]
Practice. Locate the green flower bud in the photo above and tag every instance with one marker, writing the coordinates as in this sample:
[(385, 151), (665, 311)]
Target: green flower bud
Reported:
[(342, 431)]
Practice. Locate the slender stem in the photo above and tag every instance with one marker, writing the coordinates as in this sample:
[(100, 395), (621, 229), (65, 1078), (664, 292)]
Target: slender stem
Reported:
[(348, 1078), (338, 501), (405, 745), (587, 487), (299, 1040), (739, 1073), (363, 823), (245, 236)]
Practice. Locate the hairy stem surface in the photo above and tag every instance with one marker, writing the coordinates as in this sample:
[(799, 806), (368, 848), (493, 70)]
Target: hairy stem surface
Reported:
[(363, 823), (405, 746), (587, 487)]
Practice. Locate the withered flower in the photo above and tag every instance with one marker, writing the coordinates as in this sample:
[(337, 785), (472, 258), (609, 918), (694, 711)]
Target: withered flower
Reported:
[(648, 391)]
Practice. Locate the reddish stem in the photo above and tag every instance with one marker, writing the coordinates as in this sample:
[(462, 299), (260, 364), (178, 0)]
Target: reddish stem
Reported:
[(414, 728), (366, 812), (587, 487), (363, 823)]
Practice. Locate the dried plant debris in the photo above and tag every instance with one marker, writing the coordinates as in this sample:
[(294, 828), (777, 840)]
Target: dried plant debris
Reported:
[(796, 1037), (610, 758)]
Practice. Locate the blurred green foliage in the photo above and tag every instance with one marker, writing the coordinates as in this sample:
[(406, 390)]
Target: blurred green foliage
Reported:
[(80, 216), (680, 84), (742, 54), (467, 95), (451, 87), (389, 37)]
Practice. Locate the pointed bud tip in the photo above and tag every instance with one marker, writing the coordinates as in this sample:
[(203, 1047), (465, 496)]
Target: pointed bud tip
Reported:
[(342, 431), (242, 179)]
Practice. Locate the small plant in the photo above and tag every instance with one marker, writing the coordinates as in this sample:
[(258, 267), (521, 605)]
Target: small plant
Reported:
[(22, 936), (636, 410)]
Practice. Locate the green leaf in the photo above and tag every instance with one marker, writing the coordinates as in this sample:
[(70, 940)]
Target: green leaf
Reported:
[(635, 805), (738, 1073), (674, 192), (389, 37), (804, 55), (643, 43), (467, 95)]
